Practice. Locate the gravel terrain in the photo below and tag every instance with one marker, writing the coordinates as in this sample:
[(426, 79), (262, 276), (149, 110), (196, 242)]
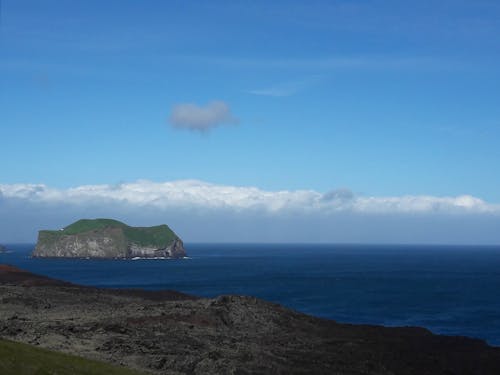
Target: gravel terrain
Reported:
[(172, 333)]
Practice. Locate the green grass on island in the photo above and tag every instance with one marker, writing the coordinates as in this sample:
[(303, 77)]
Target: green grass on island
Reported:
[(86, 225), (23, 359), (159, 235)]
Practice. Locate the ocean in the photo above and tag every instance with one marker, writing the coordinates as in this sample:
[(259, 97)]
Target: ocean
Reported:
[(452, 290)]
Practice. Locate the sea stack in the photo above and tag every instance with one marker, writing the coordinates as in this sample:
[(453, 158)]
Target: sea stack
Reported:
[(108, 239)]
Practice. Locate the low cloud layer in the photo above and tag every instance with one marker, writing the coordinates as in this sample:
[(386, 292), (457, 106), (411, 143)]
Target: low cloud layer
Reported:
[(206, 196), (193, 117), (201, 211)]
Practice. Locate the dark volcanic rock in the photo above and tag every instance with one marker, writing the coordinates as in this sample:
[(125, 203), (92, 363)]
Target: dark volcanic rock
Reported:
[(172, 333)]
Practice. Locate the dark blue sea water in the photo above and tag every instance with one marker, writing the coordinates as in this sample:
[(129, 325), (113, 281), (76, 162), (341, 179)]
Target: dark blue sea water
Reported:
[(452, 290)]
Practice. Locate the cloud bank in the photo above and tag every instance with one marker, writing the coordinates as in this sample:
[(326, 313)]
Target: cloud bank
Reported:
[(193, 117), (194, 194), (201, 211)]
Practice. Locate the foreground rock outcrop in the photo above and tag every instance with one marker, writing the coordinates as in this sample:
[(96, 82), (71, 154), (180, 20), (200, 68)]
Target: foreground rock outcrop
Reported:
[(107, 238), (167, 332)]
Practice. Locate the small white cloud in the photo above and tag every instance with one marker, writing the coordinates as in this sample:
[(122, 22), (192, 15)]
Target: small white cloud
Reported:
[(193, 117)]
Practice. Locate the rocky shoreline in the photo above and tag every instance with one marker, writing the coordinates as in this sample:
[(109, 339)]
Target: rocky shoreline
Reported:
[(167, 332)]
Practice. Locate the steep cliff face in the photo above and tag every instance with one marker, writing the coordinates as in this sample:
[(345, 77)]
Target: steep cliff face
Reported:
[(106, 238)]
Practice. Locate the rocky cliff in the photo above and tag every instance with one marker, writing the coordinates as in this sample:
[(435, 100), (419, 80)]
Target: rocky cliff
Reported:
[(107, 238)]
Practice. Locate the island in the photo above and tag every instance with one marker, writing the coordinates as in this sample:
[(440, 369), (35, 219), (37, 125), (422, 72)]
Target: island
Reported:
[(3, 249), (108, 239)]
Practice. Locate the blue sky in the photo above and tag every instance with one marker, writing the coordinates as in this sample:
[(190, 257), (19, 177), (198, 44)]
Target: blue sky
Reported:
[(383, 98)]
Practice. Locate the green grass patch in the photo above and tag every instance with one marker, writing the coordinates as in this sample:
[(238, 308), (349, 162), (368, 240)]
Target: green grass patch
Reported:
[(23, 359), (158, 236), (86, 225)]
